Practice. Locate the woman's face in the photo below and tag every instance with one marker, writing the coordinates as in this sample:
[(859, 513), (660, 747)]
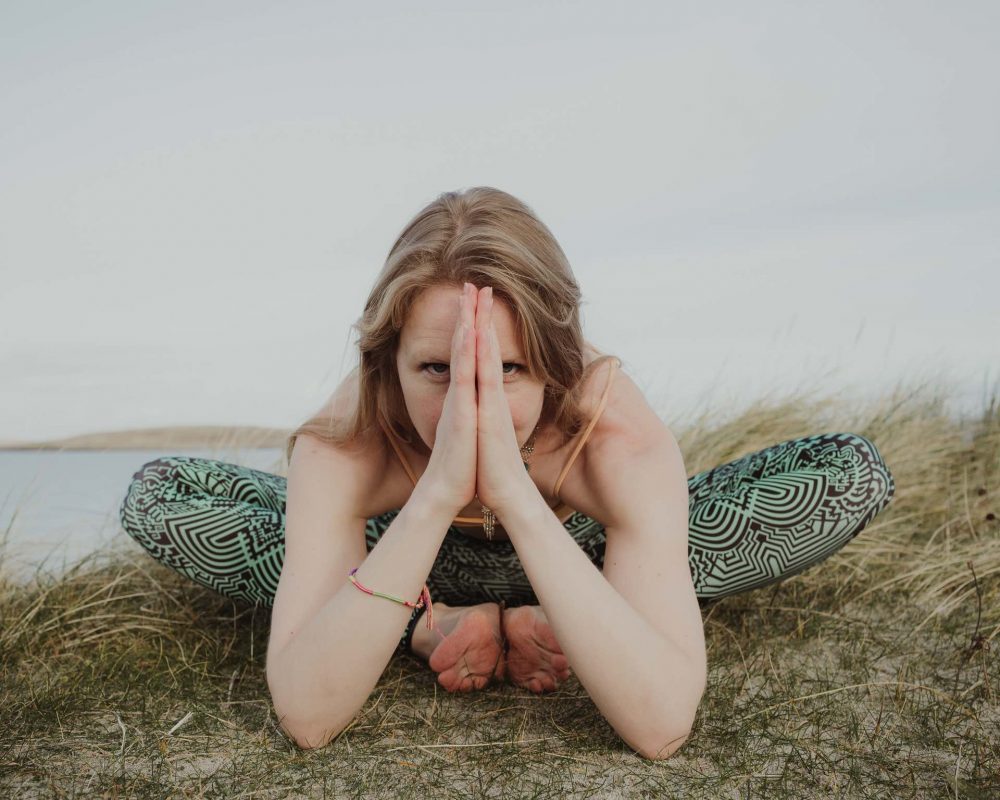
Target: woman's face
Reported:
[(423, 362)]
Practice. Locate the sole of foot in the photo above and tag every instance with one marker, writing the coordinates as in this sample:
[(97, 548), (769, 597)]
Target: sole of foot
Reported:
[(534, 660), (470, 655)]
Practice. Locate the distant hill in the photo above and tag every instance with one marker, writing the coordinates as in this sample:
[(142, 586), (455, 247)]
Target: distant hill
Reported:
[(146, 438)]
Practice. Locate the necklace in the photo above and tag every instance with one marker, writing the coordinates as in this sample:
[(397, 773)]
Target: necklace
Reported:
[(489, 518)]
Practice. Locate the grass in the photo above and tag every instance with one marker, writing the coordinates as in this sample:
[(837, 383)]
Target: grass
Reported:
[(873, 674)]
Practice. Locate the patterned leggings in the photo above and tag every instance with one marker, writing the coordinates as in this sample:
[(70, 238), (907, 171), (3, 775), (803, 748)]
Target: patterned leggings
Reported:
[(752, 521)]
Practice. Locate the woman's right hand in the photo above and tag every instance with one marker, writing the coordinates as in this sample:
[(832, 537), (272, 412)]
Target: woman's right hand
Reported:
[(451, 470)]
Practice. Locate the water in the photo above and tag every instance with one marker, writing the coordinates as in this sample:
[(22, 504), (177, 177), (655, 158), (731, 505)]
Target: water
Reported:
[(58, 506)]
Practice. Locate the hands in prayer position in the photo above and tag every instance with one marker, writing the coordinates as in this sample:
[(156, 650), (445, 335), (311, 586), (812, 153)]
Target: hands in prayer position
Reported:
[(472, 645)]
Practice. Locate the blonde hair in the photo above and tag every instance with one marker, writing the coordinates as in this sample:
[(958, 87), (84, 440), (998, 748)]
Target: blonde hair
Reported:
[(489, 238)]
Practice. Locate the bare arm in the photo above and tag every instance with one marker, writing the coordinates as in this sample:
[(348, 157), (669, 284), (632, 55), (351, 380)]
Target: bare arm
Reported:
[(633, 635), (644, 673), (321, 677), (331, 641)]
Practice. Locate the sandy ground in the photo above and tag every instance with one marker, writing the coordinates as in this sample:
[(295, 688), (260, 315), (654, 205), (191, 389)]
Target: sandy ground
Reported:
[(147, 438)]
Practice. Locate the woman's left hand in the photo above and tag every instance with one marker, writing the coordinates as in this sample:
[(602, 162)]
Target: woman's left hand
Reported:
[(501, 478)]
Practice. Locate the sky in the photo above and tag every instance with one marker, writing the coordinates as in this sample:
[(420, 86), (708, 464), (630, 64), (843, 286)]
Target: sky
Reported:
[(754, 198)]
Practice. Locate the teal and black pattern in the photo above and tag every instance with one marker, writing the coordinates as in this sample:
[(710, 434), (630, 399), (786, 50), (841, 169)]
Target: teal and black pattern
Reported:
[(753, 521)]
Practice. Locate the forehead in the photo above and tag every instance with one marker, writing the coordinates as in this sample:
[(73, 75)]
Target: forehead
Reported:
[(431, 323)]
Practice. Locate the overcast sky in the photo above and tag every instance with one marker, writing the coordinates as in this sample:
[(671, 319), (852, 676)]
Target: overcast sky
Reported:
[(195, 198)]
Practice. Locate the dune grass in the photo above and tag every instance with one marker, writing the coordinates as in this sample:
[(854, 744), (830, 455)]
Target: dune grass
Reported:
[(873, 674)]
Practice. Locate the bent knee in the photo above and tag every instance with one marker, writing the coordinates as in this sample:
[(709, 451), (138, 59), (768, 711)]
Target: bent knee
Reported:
[(145, 489)]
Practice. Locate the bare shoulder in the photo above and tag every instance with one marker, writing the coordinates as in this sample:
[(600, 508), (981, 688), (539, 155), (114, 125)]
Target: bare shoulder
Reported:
[(622, 431), (628, 433), (627, 427), (365, 458), (628, 420)]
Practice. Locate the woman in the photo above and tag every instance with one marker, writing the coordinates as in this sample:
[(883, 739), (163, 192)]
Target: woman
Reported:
[(434, 463)]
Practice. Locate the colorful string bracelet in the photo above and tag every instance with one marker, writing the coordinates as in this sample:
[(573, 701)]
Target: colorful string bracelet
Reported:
[(424, 601)]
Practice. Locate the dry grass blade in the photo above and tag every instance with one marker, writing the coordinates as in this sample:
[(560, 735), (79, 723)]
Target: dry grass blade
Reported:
[(874, 673)]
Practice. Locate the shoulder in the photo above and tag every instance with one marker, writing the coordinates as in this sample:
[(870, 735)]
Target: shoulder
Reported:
[(627, 429), (627, 419), (371, 448)]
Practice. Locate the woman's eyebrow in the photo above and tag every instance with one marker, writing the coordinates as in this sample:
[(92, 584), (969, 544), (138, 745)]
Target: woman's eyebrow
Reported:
[(430, 356), (429, 342), (430, 348)]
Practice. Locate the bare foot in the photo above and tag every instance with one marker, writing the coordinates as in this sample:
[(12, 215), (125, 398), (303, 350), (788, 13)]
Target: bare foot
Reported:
[(464, 647), (534, 659)]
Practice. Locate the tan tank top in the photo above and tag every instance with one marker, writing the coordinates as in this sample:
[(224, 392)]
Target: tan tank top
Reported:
[(562, 509)]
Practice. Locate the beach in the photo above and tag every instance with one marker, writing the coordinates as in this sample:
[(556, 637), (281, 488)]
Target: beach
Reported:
[(869, 674)]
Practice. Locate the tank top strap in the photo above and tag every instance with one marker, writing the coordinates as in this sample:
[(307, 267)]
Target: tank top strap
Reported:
[(399, 453), (586, 434)]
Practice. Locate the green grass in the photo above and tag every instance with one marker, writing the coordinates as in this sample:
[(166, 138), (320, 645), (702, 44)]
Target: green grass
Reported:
[(873, 674)]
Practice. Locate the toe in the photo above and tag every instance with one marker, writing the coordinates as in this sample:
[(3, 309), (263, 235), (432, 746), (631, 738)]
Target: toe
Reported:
[(448, 681)]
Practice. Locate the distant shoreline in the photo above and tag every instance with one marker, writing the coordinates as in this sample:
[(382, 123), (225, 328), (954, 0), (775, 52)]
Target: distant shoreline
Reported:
[(191, 436)]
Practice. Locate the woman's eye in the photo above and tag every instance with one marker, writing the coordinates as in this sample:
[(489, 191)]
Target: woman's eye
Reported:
[(439, 374)]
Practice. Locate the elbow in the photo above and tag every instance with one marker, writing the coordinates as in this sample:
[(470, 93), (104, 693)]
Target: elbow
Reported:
[(665, 743), (669, 741), (306, 728), (305, 735), (664, 749), (658, 741), (298, 723)]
